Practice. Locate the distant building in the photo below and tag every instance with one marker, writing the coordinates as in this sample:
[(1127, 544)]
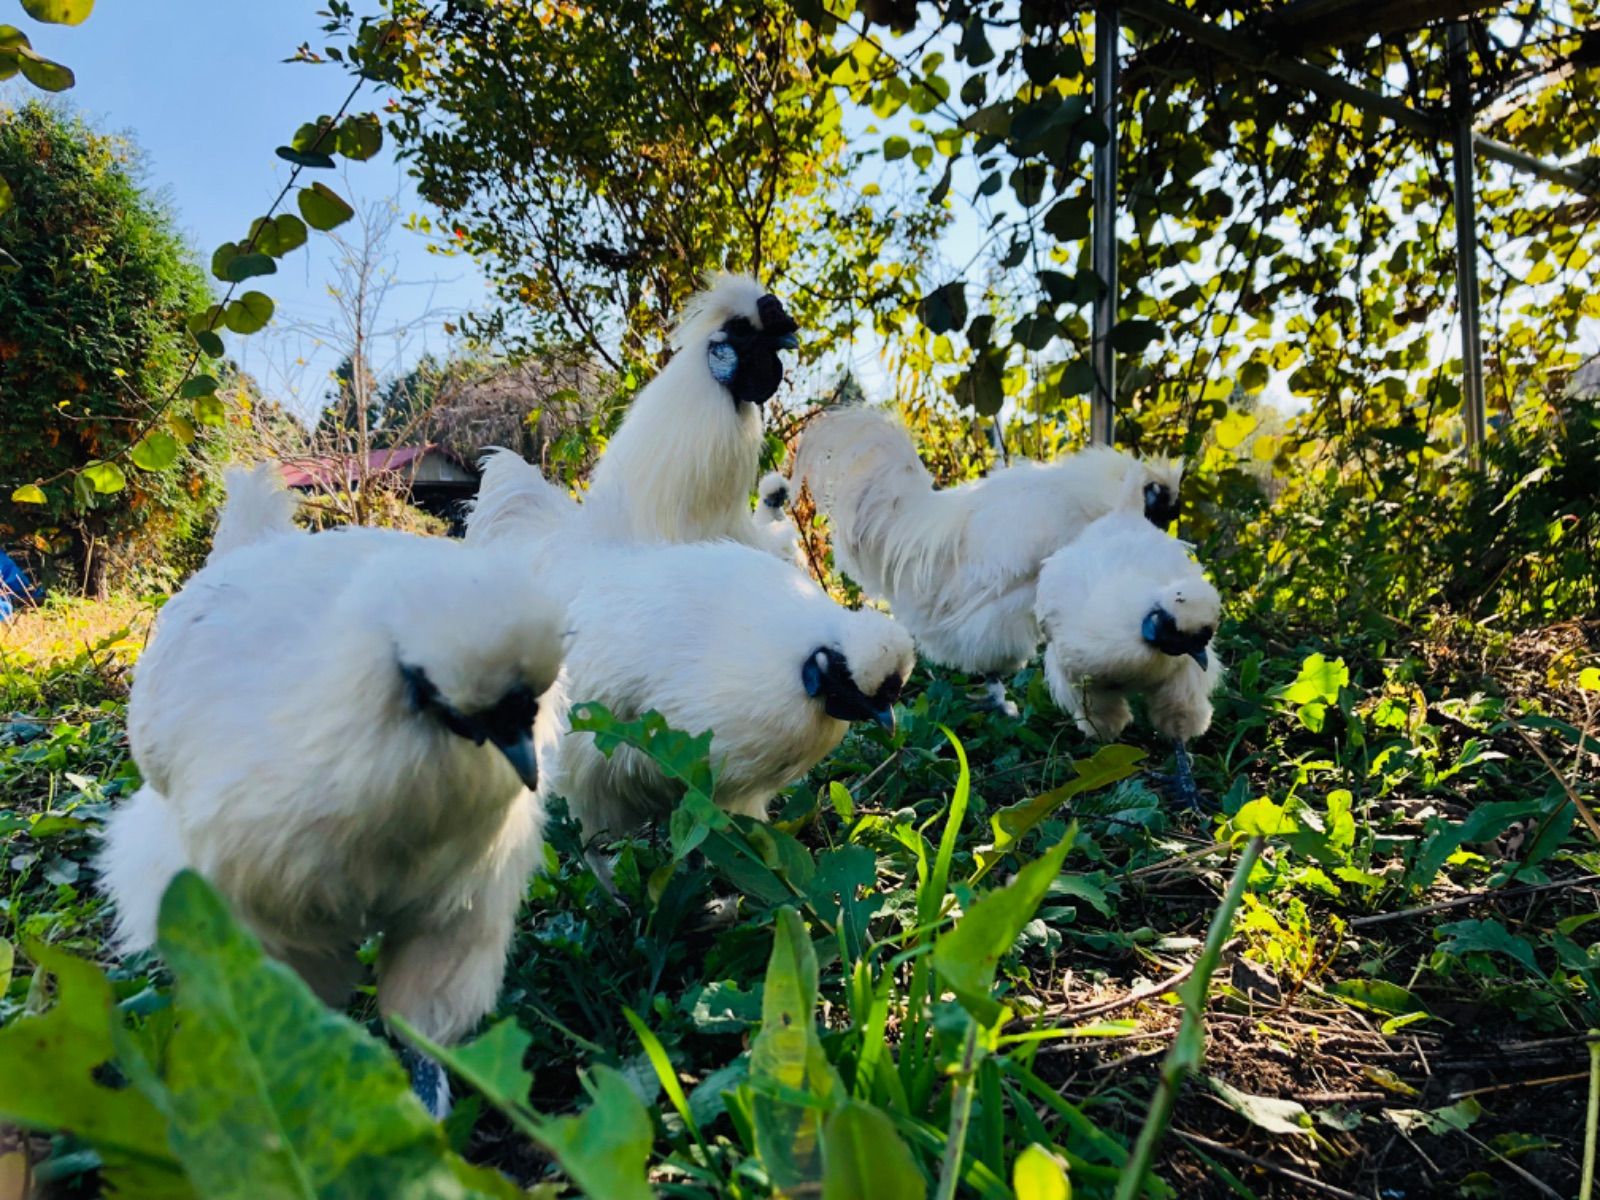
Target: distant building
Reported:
[(431, 477)]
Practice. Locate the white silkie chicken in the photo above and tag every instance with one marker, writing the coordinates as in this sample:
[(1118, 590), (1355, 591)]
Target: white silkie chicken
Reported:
[(679, 468), (714, 636), (958, 566), (1125, 608), (775, 532), (340, 732)]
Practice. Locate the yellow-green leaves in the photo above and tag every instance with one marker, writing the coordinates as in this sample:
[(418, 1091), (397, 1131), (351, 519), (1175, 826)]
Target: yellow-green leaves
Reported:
[(18, 54), (864, 1158), (249, 313), (28, 493), (155, 451), (104, 477), (59, 12), (322, 207), (1039, 1175), (968, 957), (6, 198)]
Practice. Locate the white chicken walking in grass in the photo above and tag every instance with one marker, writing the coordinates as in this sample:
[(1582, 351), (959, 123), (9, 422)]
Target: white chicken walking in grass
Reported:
[(340, 733), (1125, 608), (713, 636), (679, 468), (959, 566)]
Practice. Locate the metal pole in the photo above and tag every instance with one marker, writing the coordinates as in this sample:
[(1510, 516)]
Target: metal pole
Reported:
[(1102, 404), (1466, 234)]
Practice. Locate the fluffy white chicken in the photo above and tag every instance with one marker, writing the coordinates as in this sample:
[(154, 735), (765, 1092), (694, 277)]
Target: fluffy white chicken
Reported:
[(1125, 608), (775, 532), (340, 732), (959, 566), (680, 466), (714, 636)]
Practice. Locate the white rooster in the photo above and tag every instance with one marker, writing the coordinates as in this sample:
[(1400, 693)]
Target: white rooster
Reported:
[(340, 732), (679, 468), (958, 566), (1125, 608)]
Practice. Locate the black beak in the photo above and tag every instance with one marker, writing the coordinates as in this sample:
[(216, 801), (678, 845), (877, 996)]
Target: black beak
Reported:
[(519, 753), (1200, 656), (885, 717), (787, 341)]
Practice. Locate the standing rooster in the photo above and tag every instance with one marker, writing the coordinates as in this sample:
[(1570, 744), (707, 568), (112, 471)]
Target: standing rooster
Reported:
[(959, 566), (680, 467)]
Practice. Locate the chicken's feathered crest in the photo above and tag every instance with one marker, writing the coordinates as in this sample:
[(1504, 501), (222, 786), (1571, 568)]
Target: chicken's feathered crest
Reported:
[(515, 500), (725, 297), (258, 506)]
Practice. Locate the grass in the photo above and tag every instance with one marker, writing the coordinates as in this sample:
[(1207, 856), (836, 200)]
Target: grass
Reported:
[(978, 954)]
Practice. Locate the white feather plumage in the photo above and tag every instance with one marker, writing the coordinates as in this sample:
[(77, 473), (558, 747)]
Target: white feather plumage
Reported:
[(284, 762), (775, 531), (712, 636), (1093, 597), (680, 466), (957, 566), (258, 507)]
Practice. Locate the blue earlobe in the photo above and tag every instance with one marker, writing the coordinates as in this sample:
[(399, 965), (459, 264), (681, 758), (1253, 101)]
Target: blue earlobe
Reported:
[(811, 676), (1150, 629), (724, 361)]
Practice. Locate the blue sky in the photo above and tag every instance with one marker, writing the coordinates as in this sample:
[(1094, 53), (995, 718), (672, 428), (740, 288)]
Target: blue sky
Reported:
[(202, 87)]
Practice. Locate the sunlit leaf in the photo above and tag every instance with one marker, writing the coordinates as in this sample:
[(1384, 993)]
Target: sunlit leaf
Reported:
[(59, 12), (322, 207), (155, 451), (28, 493), (1040, 1175), (104, 477), (864, 1157)]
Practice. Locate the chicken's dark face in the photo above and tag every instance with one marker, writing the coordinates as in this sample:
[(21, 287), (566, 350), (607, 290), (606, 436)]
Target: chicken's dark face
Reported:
[(1161, 505), (1160, 630), (826, 676), (508, 723), (744, 356)]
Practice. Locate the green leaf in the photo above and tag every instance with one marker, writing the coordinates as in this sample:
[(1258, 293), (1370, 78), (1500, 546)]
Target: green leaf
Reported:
[(968, 956), (1232, 430), (248, 266), (1264, 1112), (42, 73), (8, 957), (1012, 823), (270, 1092), (58, 12), (1377, 994), (249, 313), (221, 257), (1039, 1175), (104, 477), (208, 410), (314, 159), (359, 137), (864, 1157), (1068, 220), (794, 1084), (494, 1061), (277, 235), (1487, 936), (895, 148), (843, 804), (1131, 337), (155, 451), (6, 198), (323, 208), (662, 1065), (51, 1079), (1319, 679), (944, 309), (28, 493), (197, 386), (209, 342)]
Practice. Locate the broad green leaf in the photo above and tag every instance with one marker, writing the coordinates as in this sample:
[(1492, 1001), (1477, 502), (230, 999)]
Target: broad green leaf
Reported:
[(196, 386), (28, 493), (1264, 1112), (315, 159), (1487, 936), (1012, 823), (1131, 337), (277, 235), (1039, 1175), (359, 137), (249, 313), (104, 477), (605, 1150), (51, 1079), (155, 451), (841, 800), (58, 12), (182, 428), (794, 1084), (1319, 679), (1263, 818), (323, 208), (209, 410), (1377, 994), (209, 342), (221, 257), (1232, 430), (864, 1157), (42, 73), (271, 1093), (968, 956), (493, 1062), (944, 309), (895, 148), (249, 266), (6, 199)]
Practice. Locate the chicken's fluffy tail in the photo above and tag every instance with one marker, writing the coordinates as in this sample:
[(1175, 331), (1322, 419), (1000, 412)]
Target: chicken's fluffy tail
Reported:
[(258, 506), (515, 500), (142, 851), (863, 471)]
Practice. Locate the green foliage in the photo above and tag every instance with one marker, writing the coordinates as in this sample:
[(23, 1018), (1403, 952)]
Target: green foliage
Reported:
[(92, 339)]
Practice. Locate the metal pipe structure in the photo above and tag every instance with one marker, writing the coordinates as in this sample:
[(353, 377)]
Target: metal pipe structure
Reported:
[(1461, 162), (1102, 403)]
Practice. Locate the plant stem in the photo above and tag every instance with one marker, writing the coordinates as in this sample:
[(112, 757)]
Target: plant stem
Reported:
[(1188, 1051), (1594, 1116), (960, 1115)]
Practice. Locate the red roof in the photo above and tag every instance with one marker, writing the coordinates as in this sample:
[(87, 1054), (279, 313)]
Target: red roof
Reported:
[(325, 469)]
